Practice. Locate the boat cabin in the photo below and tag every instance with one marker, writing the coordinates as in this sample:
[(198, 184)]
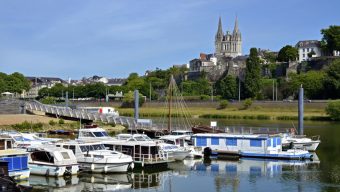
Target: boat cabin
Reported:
[(93, 133)]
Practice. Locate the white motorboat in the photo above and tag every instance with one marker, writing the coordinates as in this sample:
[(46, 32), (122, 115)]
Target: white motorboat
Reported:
[(181, 142), (300, 142), (24, 140), (93, 157), (50, 160)]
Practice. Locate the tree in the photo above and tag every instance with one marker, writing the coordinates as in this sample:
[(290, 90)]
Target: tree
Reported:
[(227, 87), (331, 38), (310, 54), (287, 53), (333, 110), (252, 81), (332, 80)]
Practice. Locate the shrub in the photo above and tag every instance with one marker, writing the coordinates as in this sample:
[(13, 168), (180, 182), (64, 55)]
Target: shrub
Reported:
[(205, 97), (48, 100), (61, 121), (52, 123), (247, 103), (223, 104), (333, 110)]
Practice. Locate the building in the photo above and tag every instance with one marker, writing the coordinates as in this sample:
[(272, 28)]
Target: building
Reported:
[(307, 48), (229, 44)]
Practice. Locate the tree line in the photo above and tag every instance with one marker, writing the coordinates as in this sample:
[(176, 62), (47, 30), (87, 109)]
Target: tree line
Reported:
[(13, 83)]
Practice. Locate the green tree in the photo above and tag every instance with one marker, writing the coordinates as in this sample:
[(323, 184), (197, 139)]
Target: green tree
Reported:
[(331, 38), (227, 87), (333, 110), (129, 100), (252, 81), (287, 53), (332, 80)]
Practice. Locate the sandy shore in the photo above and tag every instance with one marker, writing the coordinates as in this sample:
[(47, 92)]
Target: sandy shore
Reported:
[(19, 118)]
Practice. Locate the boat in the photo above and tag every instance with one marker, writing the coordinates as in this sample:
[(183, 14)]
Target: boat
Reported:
[(143, 150), (94, 157), (49, 160), (300, 142), (181, 142), (243, 145), (21, 140), (17, 159), (205, 129)]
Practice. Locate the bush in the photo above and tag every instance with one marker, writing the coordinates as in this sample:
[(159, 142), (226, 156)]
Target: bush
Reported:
[(52, 123), (223, 104), (247, 103), (205, 97), (333, 110), (61, 121), (48, 100)]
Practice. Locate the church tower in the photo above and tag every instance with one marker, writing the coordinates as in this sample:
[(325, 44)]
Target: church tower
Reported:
[(230, 44)]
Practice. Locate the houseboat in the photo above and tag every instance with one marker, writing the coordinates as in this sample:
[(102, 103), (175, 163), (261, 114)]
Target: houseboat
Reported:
[(21, 140), (93, 157), (50, 160), (143, 150), (17, 159), (261, 146)]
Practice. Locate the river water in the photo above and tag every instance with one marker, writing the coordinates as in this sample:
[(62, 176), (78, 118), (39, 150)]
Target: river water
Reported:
[(321, 174)]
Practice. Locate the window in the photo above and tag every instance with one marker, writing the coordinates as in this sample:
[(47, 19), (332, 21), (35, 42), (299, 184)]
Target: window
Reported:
[(255, 143), (307, 49), (98, 134), (278, 142), (73, 148), (303, 55), (215, 141), (274, 142), (65, 155), (231, 141), (201, 141), (312, 49), (269, 142), (303, 50)]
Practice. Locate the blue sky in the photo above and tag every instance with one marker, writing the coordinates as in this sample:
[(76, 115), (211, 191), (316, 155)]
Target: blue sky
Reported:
[(113, 38)]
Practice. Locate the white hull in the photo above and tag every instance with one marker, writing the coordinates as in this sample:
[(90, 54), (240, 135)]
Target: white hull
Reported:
[(53, 170), (105, 167), (179, 155)]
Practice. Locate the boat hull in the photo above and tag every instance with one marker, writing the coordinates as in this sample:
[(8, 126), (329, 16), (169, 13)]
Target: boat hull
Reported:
[(20, 174), (106, 167), (53, 170)]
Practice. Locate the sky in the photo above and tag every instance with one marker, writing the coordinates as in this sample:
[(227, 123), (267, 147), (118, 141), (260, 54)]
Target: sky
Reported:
[(113, 38)]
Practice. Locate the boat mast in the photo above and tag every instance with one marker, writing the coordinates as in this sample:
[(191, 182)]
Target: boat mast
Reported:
[(170, 102)]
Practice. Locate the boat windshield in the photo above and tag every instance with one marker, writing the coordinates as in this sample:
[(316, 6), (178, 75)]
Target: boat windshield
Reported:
[(85, 148), (20, 138), (142, 138), (100, 134)]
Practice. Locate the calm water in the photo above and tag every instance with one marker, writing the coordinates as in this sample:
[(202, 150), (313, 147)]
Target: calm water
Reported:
[(322, 174)]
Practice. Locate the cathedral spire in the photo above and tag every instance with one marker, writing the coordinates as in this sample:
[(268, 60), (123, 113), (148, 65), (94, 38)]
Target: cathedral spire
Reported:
[(236, 25), (219, 30)]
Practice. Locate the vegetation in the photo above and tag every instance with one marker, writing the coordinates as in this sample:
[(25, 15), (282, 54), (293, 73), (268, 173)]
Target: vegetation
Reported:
[(223, 104), (252, 81), (247, 103), (333, 110), (227, 87), (129, 100), (14, 83), (331, 38), (287, 53)]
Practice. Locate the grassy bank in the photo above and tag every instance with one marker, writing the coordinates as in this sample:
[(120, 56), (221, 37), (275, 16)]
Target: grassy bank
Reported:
[(259, 111)]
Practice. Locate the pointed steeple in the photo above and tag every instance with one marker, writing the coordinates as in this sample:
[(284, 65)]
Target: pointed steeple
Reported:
[(236, 25), (219, 33)]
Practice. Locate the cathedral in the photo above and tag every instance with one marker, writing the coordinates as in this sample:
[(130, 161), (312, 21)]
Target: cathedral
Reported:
[(229, 44)]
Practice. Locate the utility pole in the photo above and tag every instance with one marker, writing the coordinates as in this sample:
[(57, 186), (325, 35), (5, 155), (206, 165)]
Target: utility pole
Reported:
[(276, 91), (239, 88), (212, 93), (273, 90), (150, 92)]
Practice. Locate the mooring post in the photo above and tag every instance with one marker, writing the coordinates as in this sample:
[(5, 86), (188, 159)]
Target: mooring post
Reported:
[(136, 96), (300, 131)]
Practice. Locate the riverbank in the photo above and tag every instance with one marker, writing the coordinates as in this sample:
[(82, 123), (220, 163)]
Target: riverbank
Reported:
[(260, 111)]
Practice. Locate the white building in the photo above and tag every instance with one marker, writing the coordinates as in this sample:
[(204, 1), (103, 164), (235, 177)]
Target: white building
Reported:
[(306, 47)]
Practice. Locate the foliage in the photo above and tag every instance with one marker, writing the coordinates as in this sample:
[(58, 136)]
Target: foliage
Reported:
[(333, 110), (332, 80), (129, 101), (310, 54), (223, 104), (312, 82), (25, 126), (52, 123), (252, 83), (227, 87), (199, 87), (48, 100), (287, 53), (331, 38), (61, 121), (14, 83), (247, 103)]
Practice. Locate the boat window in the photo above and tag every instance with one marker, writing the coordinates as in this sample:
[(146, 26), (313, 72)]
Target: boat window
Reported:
[(256, 143), (97, 147), (65, 146), (169, 142), (98, 156), (84, 148), (105, 133), (65, 155), (98, 134), (139, 138), (231, 142), (87, 134), (18, 138), (73, 148), (42, 156)]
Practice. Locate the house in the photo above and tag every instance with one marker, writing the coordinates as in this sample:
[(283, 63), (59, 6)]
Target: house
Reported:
[(307, 48)]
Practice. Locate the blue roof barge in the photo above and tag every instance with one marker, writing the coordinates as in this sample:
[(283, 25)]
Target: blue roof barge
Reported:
[(260, 146)]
